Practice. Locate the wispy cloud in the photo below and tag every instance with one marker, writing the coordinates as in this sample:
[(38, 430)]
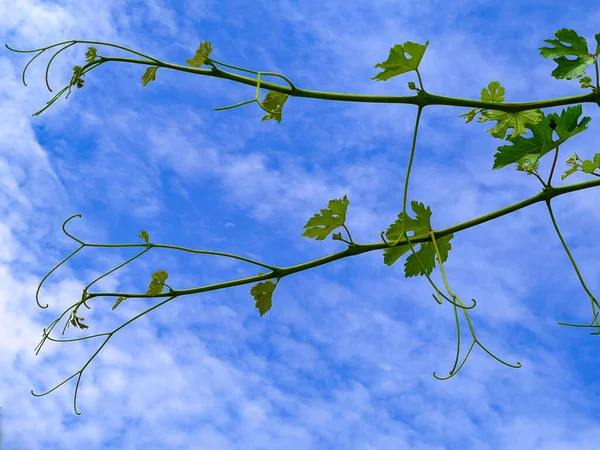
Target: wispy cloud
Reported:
[(344, 357)]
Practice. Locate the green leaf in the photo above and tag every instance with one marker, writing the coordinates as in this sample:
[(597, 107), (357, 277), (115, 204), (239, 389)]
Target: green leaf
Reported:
[(397, 63), (426, 254), (201, 54), (149, 75), (263, 295), (420, 225), (76, 77), (569, 172), (337, 236), (517, 121), (144, 236), (569, 68), (412, 86), (469, 116), (336, 207), (531, 149), (493, 93), (118, 302), (274, 101), (75, 321), (597, 160), (158, 282), (586, 82), (588, 166), (90, 55)]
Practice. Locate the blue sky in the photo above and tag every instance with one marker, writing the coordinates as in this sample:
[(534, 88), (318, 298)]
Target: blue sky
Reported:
[(344, 358)]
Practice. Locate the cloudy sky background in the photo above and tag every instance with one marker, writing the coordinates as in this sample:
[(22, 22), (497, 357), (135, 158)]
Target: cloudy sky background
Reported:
[(344, 358)]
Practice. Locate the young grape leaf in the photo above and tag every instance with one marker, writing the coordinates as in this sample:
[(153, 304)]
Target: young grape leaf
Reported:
[(426, 253), (149, 75), (75, 321), (263, 295), (336, 207), (90, 55), (158, 282), (517, 121), (144, 236), (572, 170), (586, 82), (397, 63), (274, 101), (201, 54), (531, 149), (569, 68), (588, 166), (118, 302), (493, 93), (76, 77)]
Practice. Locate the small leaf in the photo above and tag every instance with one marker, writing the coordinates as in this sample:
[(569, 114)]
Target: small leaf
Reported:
[(336, 207), (274, 101), (572, 159), (158, 282), (568, 172), (76, 77), (493, 93), (263, 295), (144, 236), (201, 54), (411, 86), (597, 160), (397, 63), (337, 236), (90, 55), (118, 302), (585, 82), (469, 116), (588, 166), (149, 75)]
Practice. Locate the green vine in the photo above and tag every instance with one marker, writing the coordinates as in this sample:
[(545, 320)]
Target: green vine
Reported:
[(434, 245)]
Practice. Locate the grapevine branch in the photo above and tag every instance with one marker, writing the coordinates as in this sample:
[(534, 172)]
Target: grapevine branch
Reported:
[(434, 245)]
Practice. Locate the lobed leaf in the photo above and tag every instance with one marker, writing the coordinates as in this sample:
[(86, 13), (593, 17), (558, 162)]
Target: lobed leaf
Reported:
[(201, 55), (158, 282), (493, 93), (90, 55), (420, 225), (329, 223), (274, 101), (397, 63), (517, 121), (531, 149), (263, 295), (569, 68)]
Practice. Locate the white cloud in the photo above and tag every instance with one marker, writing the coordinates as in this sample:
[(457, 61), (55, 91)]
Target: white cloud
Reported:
[(344, 357)]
